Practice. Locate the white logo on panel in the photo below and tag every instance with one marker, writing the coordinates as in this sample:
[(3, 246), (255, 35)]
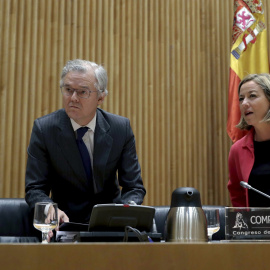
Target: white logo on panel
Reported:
[(239, 222)]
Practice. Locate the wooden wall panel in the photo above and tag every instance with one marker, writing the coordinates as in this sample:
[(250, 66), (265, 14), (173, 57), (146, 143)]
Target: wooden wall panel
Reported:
[(168, 67)]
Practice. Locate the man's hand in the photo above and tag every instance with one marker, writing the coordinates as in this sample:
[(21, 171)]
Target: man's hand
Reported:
[(50, 214), (62, 217)]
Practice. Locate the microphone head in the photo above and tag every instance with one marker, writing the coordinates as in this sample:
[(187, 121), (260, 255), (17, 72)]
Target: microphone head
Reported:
[(244, 184)]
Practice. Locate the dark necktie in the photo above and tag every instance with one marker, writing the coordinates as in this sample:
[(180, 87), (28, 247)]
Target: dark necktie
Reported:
[(84, 152)]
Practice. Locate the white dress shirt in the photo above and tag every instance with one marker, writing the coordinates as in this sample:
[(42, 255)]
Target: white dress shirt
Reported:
[(88, 137)]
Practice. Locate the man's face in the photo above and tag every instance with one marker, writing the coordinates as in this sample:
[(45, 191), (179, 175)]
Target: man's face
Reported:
[(81, 110)]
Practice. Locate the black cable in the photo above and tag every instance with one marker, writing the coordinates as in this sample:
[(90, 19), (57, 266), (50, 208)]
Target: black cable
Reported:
[(142, 236)]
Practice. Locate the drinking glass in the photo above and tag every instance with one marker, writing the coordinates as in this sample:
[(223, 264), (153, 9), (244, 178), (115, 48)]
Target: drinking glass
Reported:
[(45, 218), (213, 223)]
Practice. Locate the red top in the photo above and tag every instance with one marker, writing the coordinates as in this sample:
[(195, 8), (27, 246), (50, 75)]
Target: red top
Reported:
[(241, 160)]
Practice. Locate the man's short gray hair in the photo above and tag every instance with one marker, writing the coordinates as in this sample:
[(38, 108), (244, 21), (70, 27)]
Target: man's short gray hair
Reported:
[(83, 66)]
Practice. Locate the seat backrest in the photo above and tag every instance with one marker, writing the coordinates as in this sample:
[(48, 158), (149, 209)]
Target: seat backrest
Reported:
[(160, 218), (16, 219), (162, 212)]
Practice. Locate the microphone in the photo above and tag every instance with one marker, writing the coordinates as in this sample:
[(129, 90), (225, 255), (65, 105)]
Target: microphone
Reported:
[(246, 185)]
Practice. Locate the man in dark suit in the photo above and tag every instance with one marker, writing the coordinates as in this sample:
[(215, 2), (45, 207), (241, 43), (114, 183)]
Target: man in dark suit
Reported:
[(55, 164)]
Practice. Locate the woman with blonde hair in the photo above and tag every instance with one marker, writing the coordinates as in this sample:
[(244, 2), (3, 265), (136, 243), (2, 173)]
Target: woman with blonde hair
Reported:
[(249, 158)]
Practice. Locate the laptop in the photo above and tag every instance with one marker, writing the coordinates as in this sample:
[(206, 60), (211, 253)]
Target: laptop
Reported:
[(115, 217), (108, 222)]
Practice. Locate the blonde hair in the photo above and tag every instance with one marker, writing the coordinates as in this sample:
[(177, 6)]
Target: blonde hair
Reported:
[(263, 80)]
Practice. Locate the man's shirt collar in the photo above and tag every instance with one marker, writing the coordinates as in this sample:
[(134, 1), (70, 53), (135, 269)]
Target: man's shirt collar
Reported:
[(91, 125)]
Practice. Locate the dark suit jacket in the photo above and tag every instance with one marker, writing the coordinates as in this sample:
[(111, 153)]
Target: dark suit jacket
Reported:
[(54, 165)]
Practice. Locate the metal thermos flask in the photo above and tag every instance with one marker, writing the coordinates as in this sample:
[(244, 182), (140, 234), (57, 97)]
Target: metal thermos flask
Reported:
[(186, 220)]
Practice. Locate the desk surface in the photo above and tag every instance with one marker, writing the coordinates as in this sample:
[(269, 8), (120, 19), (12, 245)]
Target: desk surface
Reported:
[(140, 256)]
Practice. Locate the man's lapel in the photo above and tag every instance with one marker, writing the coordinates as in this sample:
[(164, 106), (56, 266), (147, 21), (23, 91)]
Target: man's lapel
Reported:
[(102, 147), (67, 142)]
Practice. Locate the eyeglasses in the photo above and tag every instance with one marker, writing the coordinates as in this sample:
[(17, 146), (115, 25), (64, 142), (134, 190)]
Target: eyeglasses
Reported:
[(82, 93)]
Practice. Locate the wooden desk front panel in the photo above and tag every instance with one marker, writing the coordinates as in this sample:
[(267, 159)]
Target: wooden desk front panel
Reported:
[(140, 256)]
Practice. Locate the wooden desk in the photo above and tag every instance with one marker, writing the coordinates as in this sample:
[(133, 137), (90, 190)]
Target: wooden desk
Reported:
[(139, 256)]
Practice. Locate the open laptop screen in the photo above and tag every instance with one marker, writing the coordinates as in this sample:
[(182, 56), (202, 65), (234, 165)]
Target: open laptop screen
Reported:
[(114, 217)]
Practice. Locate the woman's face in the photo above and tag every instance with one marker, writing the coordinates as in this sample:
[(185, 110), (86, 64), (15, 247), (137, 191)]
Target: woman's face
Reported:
[(253, 103)]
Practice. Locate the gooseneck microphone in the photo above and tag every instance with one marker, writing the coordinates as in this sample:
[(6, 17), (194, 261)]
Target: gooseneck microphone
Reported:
[(246, 185)]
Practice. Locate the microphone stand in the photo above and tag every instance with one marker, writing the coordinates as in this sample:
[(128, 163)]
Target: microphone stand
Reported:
[(246, 185)]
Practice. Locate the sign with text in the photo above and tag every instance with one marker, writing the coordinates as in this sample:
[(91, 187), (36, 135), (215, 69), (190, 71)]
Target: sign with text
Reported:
[(247, 223)]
